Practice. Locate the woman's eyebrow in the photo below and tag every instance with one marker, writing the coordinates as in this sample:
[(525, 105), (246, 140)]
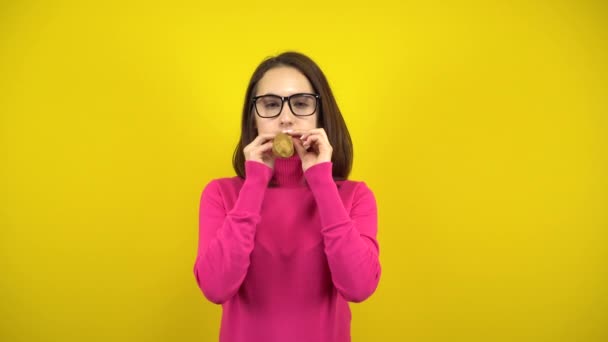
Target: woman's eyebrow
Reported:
[(295, 92)]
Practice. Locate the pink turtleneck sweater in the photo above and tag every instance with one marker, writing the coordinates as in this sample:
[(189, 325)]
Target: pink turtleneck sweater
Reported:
[(284, 251)]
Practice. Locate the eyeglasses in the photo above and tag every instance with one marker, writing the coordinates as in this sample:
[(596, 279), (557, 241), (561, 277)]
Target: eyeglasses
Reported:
[(301, 104)]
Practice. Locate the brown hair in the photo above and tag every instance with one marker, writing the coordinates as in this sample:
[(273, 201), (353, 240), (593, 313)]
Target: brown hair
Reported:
[(330, 118)]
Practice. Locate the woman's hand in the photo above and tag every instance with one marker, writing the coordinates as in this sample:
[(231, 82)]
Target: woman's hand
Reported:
[(260, 150), (312, 146)]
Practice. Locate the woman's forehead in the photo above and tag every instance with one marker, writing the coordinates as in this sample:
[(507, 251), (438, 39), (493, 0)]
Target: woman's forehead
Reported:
[(283, 81)]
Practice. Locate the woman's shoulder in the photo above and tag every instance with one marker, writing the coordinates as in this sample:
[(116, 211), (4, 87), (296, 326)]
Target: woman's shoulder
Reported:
[(227, 181), (223, 185), (353, 186)]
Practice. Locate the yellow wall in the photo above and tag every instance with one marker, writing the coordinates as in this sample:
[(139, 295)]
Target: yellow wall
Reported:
[(482, 129)]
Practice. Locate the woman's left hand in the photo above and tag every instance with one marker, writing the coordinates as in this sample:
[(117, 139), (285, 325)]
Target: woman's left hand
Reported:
[(312, 146)]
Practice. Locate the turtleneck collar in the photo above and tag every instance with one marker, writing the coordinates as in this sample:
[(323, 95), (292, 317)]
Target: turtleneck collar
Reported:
[(288, 172)]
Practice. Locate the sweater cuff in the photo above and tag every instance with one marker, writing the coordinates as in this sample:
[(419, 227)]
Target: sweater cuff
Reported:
[(252, 192), (256, 172), (321, 183), (319, 175)]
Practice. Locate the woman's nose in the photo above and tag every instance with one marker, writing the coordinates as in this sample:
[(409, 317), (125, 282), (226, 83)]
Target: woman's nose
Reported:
[(286, 116)]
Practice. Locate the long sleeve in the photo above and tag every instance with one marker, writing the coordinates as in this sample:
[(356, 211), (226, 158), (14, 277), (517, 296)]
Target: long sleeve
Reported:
[(226, 236), (350, 240)]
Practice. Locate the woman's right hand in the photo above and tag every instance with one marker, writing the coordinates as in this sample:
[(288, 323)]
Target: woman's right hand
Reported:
[(260, 150)]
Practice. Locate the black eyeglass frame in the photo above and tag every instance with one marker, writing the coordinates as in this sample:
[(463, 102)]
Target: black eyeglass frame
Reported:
[(283, 100)]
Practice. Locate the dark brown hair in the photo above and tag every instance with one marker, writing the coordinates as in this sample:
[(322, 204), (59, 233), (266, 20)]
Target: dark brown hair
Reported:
[(329, 117)]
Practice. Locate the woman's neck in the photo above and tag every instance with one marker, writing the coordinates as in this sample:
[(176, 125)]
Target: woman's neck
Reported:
[(288, 172)]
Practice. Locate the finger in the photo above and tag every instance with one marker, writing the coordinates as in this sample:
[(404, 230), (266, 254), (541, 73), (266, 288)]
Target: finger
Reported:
[(302, 133), (259, 150), (265, 147), (323, 134), (293, 132), (300, 150), (316, 132), (305, 146), (258, 141), (313, 140), (262, 138), (265, 151)]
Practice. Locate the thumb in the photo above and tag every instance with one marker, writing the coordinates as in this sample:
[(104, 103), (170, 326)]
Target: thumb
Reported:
[(299, 147)]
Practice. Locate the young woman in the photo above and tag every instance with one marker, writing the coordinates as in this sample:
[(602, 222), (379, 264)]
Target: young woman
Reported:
[(286, 244)]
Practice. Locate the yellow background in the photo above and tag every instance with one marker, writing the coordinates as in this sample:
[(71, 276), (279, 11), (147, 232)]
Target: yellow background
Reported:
[(480, 126)]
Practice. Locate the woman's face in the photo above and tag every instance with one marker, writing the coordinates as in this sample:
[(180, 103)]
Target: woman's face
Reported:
[(284, 81)]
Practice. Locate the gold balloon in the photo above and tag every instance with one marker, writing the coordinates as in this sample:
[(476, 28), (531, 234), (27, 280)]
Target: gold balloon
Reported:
[(282, 146)]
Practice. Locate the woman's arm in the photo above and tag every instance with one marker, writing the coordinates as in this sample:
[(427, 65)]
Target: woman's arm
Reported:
[(350, 240), (226, 237)]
